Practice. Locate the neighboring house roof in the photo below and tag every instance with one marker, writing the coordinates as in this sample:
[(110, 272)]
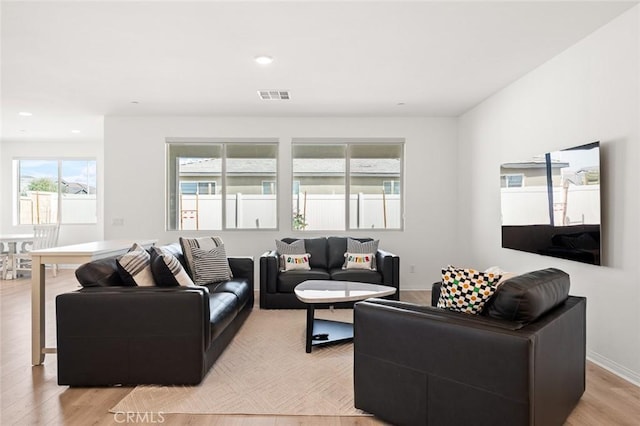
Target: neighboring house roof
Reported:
[(535, 163), (311, 167)]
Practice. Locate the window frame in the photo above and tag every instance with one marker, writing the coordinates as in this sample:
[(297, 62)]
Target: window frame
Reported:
[(16, 212), (348, 143), (173, 215)]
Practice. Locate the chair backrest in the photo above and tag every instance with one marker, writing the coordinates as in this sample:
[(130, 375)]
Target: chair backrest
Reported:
[(45, 236)]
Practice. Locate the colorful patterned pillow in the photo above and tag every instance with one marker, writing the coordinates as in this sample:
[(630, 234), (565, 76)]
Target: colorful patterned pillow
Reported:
[(167, 270), (367, 247), (296, 262), (210, 265), (466, 290), (134, 267), (358, 260)]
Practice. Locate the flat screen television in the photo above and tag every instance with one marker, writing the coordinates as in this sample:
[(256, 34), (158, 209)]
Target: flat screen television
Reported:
[(550, 204)]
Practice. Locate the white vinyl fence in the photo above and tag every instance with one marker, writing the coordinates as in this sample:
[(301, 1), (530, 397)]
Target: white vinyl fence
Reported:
[(529, 205), (323, 211)]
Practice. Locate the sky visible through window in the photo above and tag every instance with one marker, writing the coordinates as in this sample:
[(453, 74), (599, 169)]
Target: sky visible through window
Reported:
[(80, 171)]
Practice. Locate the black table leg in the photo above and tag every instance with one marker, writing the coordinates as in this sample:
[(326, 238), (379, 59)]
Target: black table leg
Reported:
[(310, 310)]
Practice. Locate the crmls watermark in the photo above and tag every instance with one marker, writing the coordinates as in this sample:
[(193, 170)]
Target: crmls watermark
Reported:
[(145, 417)]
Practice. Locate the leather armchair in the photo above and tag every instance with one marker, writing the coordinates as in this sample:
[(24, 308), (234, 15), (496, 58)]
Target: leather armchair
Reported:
[(420, 365)]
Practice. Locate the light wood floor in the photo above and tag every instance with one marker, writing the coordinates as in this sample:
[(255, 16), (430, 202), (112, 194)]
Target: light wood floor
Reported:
[(31, 395)]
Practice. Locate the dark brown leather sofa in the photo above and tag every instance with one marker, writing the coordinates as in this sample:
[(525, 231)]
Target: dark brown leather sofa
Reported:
[(520, 362), (327, 258), (109, 333)]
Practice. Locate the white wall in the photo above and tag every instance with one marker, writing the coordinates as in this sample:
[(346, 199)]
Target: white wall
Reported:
[(11, 150), (589, 92), (135, 181)]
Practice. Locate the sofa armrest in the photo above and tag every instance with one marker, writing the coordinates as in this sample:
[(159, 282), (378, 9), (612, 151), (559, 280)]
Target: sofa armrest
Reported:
[(388, 265), (122, 335), (269, 269), (242, 267), (435, 293)]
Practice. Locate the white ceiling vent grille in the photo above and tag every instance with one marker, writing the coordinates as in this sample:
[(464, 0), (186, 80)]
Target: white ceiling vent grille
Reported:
[(274, 95)]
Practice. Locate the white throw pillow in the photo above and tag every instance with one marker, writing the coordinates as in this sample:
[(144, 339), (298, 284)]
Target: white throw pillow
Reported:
[(358, 261), (296, 262)]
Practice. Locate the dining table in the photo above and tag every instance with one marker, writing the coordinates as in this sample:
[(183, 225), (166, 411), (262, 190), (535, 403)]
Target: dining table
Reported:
[(16, 243)]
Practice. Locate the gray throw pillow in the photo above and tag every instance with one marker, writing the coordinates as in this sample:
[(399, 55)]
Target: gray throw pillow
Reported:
[(205, 243), (210, 265)]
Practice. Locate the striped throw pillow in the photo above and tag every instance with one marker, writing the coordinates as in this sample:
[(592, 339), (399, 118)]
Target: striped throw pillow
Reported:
[(134, 267), (205, 243), (167, 269), (210, 265), (368, 247)]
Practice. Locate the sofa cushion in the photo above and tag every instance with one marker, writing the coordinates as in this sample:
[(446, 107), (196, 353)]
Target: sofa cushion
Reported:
[(101, 273), (359, 275), (317, 248), (336, 248), (167, 270), (134, 267), (223, 308), (238, 287), (288, 280), (466, 290), (528, 296)]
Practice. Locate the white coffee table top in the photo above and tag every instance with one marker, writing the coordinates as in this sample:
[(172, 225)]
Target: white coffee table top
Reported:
[(328, 291)]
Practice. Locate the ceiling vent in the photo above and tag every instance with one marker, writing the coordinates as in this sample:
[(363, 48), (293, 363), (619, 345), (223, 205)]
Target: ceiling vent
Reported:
[(274, 95)]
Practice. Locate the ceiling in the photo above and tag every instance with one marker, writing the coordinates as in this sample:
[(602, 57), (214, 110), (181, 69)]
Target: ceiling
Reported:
[(71, 63)]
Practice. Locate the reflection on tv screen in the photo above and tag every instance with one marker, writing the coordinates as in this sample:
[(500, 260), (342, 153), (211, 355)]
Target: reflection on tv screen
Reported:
[(550, 204)]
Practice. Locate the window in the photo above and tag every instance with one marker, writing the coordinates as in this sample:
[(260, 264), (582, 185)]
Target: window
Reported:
[(347, 186), (391, 187), (221, 185), (268, 187), (512, 181), (196, 187), (56, 191)]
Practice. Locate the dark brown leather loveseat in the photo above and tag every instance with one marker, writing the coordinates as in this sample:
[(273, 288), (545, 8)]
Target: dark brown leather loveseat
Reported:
[(326, 261), (109, 333), (520, 362)]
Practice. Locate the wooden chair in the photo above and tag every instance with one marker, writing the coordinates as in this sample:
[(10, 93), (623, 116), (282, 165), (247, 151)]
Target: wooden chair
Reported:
[(4, 264), (44, 236)]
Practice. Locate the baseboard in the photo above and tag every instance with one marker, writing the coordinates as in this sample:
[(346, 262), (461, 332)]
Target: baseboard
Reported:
[(615, 368)]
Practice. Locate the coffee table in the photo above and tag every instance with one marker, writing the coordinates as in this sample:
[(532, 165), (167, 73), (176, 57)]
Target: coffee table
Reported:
[(322, 332)]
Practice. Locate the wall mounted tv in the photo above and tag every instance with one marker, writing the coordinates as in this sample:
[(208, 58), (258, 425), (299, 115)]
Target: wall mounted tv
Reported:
[(551, 204)]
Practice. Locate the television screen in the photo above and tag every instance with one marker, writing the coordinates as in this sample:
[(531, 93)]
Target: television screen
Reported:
[(551, 204)]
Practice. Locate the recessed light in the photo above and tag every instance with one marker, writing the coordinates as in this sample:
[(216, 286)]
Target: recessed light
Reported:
[(263, 59), (25, 114), (75, 131), (135, 102), (400, 103), (23, 131)]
